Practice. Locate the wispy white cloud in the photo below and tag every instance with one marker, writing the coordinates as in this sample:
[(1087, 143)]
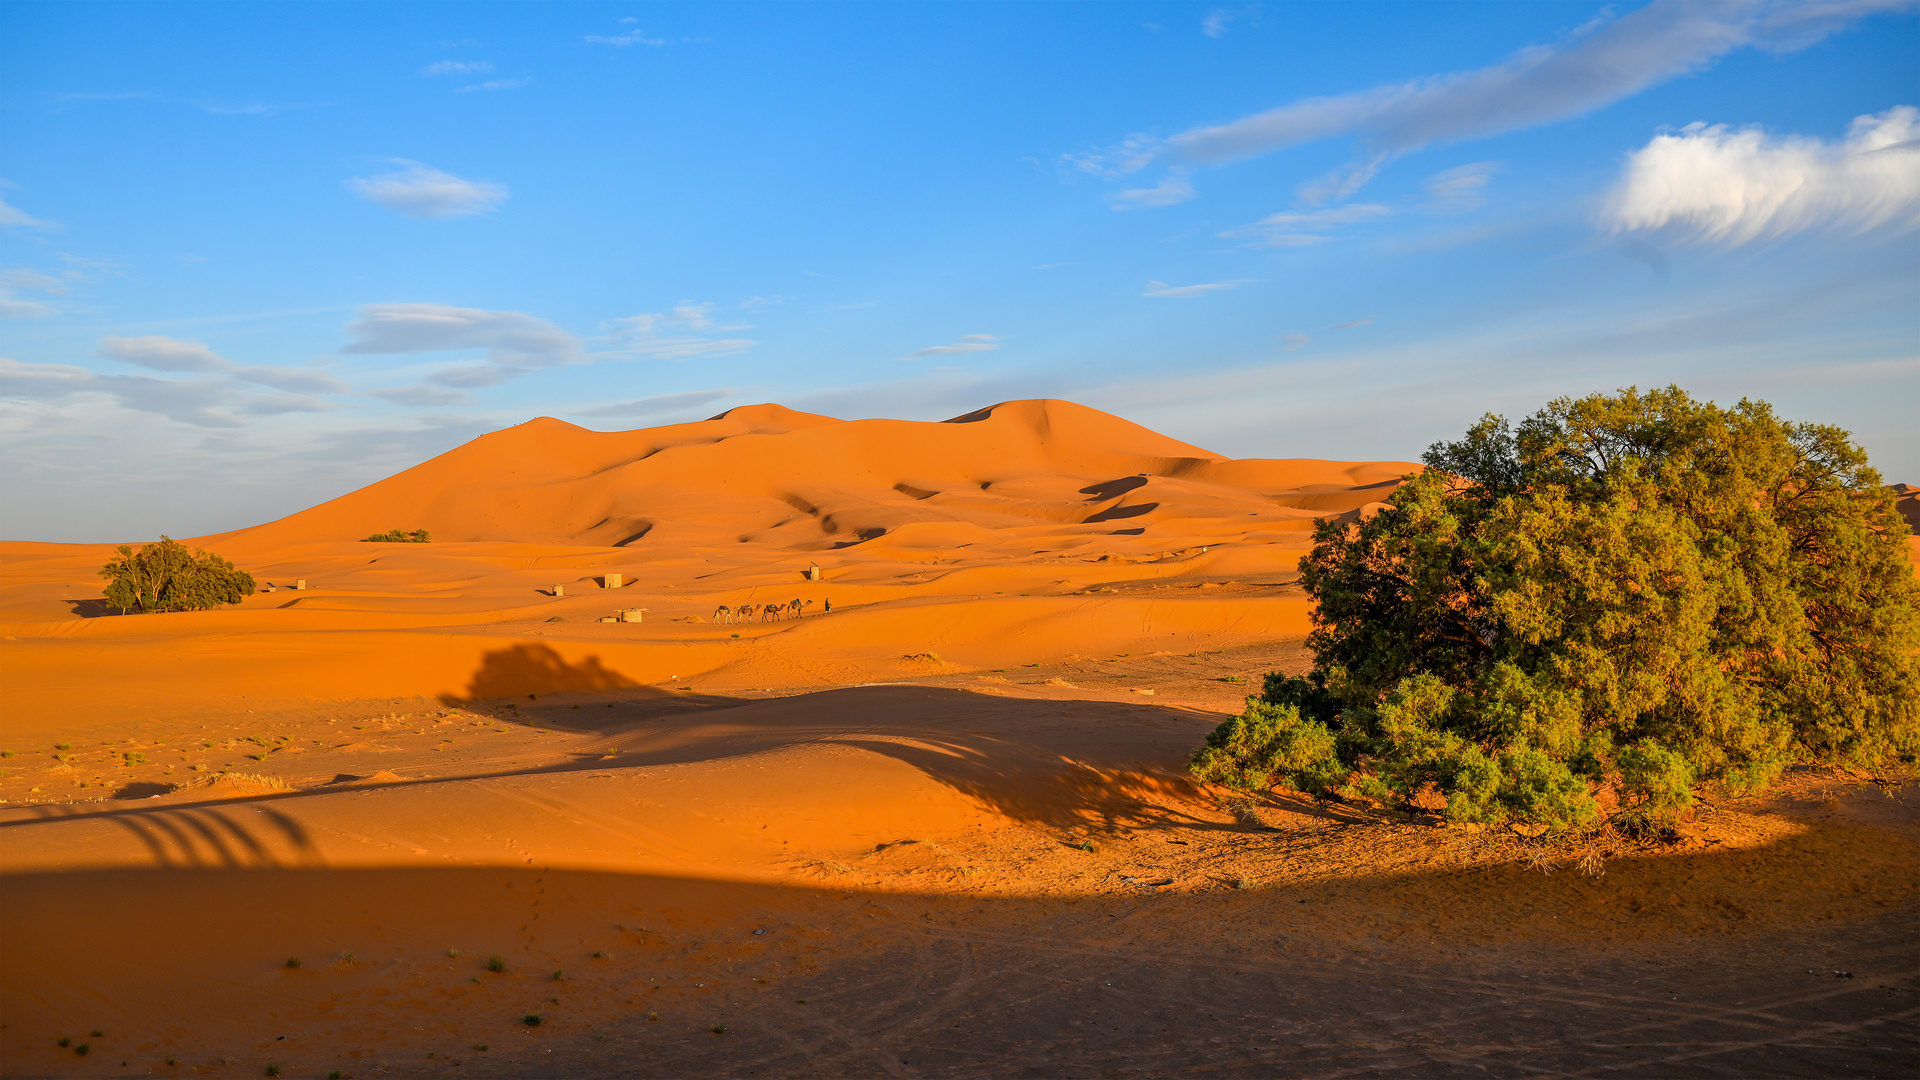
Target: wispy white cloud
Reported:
[(1460, 189), (515, 343), (1169, 192), (202, 402), (422, 191), (1303, 228), (1719, 186), (1368, 321), (457, 67), (654, 406), (630, 37), (495, 84), (1127, 156), (1537, 85), (971, 343), (162, 353), (1596, 64), (680, 334), (158, 353), (12, 217), (1294, 342), (422, 394), (1215, 24), (14, 282), (1161, 288)]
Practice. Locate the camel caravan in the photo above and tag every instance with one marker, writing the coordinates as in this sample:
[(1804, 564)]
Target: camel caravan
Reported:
[(793, 609)]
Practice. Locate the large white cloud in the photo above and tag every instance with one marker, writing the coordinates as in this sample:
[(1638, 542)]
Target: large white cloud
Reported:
[(422, 191), (1722, 186)]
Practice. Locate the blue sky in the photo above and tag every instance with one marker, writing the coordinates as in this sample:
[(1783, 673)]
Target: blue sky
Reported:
[(254, 256)]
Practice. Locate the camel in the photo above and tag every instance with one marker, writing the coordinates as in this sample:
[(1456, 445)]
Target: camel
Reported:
[(770, 612), (723, 614), (798, 608)]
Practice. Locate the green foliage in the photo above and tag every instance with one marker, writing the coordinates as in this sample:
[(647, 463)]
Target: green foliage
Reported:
[(496, 963), (168, 577), (1269, 743), (1637, 591), (400, 536)]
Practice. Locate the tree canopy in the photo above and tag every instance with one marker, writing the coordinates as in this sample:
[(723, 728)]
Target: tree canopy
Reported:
[(1626, 595), (168, 577)]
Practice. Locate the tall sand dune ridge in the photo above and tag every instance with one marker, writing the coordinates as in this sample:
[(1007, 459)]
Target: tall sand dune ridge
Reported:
[(767, 475)]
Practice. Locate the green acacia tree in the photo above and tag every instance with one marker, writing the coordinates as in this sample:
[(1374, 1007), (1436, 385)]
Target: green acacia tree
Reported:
[(1637, 591), (168, 577)]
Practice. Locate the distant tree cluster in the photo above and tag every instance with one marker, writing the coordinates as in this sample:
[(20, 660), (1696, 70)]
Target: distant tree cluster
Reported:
[(400, 536), (1626, 597), (168, 577)]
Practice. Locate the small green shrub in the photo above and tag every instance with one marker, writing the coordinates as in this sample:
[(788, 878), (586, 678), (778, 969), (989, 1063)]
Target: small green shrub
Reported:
[(1266, 743), (134, 757), (82, 1049), (400, 536), (273, 1070), (718, 1029), (293, 961), (496, 963), (168, 577), (559, 975), (334, 1074), (63, 1041), (63, 746), (531, 1019)]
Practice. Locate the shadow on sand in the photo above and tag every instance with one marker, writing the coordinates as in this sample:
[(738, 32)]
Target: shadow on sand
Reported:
[(1468, 972)]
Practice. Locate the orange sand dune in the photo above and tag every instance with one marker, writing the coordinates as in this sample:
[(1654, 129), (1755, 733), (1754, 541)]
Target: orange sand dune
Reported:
[(930, 817), (1012, 535)]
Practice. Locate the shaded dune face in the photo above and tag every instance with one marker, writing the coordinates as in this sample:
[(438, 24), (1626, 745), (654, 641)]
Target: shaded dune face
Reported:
[(1049, 472)]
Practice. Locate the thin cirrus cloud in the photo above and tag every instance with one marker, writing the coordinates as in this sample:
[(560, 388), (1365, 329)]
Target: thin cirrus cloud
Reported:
[(515, 343), (971, 343), (1161, 288), (681, 334), (422, 191), (457, 67), (627, 37), (12, 217), (1721, 187), (654, 406), (495, 84), (219, 397), (157, 353), (1169, 192), (1602, 62), (13, 282), (422, 394), (1303, 228)]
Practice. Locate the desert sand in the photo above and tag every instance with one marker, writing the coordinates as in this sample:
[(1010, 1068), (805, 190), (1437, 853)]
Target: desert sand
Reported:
[(942, 828)]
